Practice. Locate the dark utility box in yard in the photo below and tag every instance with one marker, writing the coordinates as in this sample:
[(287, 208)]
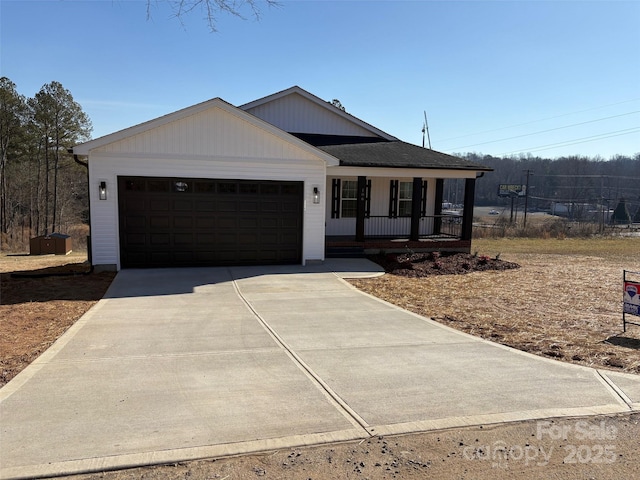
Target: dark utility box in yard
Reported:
[(56, 243)]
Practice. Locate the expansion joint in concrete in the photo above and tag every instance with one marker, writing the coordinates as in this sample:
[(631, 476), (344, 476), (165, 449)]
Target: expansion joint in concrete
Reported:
[(616, 391), (337, 401)]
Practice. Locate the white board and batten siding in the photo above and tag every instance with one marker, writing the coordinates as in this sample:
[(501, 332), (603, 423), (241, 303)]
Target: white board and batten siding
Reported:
[(295, 113), (214, 143)]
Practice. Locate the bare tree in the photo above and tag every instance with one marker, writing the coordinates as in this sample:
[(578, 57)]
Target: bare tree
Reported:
[(212, 9)]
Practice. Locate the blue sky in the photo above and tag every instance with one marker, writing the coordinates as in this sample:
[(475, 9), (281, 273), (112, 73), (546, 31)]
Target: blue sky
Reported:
[(552, 78)]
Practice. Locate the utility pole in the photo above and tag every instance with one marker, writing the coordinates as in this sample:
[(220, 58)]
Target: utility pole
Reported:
[(513, 196), (602, 202), (425, 129), (526, 197)]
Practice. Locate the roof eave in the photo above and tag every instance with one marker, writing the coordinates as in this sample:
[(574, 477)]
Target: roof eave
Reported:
[(420, 167), (84, 149), (322, 103)]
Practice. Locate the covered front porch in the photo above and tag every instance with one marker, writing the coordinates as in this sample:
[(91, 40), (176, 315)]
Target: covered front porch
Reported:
[(369, 215), (394, 196)]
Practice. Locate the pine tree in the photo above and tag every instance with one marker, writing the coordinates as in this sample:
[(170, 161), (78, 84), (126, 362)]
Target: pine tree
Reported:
[(61, 123), (621, 214)]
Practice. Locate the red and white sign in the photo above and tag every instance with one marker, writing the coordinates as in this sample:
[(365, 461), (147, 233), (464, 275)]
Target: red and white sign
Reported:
[(632, 298)]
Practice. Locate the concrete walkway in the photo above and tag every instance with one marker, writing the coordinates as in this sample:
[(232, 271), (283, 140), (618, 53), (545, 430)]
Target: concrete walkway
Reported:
[(181, 364)]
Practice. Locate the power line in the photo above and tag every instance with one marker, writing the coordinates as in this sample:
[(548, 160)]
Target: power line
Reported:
[(546, 131), (537, 121), (576, 141), (623, 177)]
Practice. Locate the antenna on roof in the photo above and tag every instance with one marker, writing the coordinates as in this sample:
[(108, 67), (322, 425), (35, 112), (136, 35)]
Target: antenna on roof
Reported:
[(425, 129)]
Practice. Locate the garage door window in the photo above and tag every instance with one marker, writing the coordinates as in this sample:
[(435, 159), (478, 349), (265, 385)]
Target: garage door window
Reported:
[(269, 189), (249, 188), (181, 186), (227, 187), (290, 190), (205, 187), (136, 185)]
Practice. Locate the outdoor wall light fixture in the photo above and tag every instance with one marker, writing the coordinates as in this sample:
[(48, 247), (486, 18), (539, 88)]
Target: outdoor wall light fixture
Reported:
[(102, 190), (316, 195)]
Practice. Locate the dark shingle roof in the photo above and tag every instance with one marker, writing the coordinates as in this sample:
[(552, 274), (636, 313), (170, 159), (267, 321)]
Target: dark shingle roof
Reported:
[(321, 140), (397, 155)]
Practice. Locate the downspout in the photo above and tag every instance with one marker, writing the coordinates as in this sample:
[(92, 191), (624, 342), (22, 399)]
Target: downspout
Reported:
[(76, 159)]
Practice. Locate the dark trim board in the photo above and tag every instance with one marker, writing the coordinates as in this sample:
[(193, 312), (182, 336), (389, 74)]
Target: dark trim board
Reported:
[(184, 222)]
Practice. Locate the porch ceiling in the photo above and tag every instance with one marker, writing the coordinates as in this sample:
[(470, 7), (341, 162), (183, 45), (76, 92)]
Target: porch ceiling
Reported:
[(398, 155)]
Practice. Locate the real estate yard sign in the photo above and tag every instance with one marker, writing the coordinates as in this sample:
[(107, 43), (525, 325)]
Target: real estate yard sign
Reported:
[(631, 297)]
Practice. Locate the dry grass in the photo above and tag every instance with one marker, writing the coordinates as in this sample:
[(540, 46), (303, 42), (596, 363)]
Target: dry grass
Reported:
[(623, 249), (17, 262), (564, 303)]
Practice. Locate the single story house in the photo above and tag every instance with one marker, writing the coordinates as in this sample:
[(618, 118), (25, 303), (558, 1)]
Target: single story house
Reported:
[(288, 178)]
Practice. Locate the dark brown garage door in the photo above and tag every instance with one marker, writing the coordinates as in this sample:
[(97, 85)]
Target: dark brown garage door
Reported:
[(166, 222)]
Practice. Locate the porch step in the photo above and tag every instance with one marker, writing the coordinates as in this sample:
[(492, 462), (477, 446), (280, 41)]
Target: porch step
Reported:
[(345, 252)]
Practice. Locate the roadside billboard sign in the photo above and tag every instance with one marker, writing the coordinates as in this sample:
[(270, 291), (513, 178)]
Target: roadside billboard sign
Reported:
[(512, 189)]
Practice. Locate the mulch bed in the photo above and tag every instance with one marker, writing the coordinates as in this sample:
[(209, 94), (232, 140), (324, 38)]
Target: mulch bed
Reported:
[(436, 263)]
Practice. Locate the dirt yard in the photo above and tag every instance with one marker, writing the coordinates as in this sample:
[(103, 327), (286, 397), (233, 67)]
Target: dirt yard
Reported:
[(36, 309), (564, 301)]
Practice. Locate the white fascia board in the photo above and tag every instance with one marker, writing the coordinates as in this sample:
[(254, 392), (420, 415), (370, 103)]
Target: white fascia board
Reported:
[(399, 172), (85, 148), (318, 101)]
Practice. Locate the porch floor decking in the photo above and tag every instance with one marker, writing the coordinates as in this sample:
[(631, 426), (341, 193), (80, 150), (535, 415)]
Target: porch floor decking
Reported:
[(336, 246)]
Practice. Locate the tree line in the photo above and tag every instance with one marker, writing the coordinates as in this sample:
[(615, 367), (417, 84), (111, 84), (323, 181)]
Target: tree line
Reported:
[(578, 183), (42, 188)]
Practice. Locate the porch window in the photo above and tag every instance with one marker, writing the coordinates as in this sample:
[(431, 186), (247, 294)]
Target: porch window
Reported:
[(404, 199), (349, 198), (400, 198), (344, 198)]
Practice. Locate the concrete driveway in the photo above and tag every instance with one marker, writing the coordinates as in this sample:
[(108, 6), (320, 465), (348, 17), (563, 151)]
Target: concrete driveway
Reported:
[(180, 364)]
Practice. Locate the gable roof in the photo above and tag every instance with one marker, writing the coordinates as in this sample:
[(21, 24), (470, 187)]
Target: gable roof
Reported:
[(328, 107), (379, 150), (398, 154), (85, 148)]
